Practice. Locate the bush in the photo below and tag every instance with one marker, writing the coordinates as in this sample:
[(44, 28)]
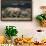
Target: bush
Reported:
[(11, 31), (41, 17)]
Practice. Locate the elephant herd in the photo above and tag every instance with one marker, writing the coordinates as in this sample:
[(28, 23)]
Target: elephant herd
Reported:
[(16, 12)]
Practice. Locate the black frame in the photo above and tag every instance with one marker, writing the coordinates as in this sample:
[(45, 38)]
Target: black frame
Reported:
[(16, 20)]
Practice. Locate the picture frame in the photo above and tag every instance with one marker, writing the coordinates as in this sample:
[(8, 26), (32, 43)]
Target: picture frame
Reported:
[(16, 10)]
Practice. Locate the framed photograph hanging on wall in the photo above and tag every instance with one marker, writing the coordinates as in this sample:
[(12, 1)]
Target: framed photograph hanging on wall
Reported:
[(16, 10)]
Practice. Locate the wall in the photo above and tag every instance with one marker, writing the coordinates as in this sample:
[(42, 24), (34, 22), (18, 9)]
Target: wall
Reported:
[(26, 27)]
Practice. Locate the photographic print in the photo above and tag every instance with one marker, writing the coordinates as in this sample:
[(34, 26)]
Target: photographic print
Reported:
[(16, 10)]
